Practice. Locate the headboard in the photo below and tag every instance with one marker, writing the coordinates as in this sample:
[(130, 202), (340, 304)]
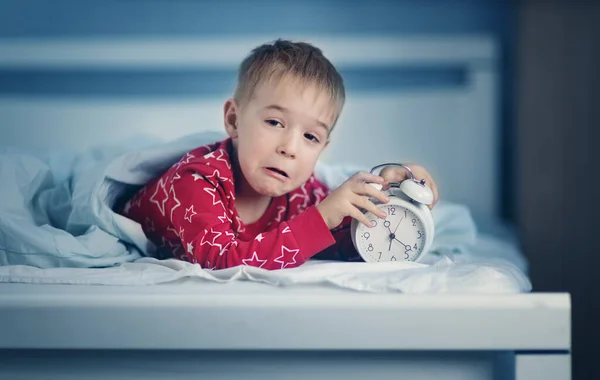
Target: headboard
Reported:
[(425, 99)]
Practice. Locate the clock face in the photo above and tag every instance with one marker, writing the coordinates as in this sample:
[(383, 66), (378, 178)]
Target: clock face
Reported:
[(400, 236)]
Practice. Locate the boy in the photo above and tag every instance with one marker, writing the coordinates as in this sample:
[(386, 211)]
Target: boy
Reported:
[(252, 199)]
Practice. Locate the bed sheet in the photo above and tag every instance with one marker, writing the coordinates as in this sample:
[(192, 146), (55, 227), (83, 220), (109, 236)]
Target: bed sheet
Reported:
[(57, 226), (481, 269)]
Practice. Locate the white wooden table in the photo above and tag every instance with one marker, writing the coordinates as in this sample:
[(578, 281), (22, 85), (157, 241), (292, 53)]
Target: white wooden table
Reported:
[(255, 331)]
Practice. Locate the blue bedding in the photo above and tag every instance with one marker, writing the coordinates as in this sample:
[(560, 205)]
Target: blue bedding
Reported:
[(55, 209)]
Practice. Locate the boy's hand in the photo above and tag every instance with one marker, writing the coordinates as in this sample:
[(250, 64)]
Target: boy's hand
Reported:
[(350, 198), (398, 174)]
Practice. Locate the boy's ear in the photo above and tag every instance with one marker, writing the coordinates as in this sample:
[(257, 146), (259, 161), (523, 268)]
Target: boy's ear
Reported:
[(230, 116)]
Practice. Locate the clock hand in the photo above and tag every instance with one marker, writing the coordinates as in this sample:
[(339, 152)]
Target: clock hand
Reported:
[(396, 229), (405, 245), (392, 236), (400, 242)]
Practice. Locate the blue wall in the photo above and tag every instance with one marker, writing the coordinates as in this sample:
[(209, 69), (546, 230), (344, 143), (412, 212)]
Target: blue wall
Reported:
[(136, 18), (188, 17), (171, 18)]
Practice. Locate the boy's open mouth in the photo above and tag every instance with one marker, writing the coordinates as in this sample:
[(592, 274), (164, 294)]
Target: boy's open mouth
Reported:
[(278, 171)]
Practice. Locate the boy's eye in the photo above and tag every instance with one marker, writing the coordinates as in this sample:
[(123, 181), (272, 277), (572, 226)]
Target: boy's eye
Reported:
[(311, 137), (274, 123)]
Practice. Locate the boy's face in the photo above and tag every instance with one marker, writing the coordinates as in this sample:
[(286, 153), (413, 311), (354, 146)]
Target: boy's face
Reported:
[(279, 134)]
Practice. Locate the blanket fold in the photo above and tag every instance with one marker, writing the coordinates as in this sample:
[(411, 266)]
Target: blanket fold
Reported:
[(56, 211)]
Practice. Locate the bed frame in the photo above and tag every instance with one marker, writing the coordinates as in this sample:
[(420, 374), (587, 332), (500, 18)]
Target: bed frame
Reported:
[(255, 331)]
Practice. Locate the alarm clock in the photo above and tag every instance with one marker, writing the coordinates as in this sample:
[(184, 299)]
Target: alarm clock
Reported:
[(407, 231)]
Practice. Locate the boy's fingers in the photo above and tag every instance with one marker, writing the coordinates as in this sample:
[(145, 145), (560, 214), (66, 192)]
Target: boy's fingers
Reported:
[(367, 189), (401, 174), (435, 199), (377, 194), (368, 177), (434, 189), (358, 215), (394, 174), (365, 204)]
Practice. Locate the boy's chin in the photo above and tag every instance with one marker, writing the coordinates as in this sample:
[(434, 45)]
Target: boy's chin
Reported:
[(275, 190), (272, 192)]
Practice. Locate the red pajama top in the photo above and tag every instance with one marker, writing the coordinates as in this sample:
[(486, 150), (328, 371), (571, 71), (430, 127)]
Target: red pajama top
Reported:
[(189, 213)]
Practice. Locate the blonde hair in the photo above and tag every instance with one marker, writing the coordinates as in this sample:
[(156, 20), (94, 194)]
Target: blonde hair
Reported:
[(282, 58)]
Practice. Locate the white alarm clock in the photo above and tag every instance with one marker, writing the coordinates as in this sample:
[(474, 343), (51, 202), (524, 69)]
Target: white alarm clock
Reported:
[(407, 231)]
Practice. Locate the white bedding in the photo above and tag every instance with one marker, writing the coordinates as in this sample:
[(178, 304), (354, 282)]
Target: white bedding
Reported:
[(487, 267), (58, 227)]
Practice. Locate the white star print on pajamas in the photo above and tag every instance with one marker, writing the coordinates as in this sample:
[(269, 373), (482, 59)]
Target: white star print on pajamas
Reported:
[(190, 210)]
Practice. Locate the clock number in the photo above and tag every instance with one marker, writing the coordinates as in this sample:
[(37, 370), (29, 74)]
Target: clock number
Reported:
[(379, 255), (370, 248), (393, 258), (406, 255), (415, 246), (420, 235), (392, 210), (414, 222), (374, 223), (386, 223), (366, 235)]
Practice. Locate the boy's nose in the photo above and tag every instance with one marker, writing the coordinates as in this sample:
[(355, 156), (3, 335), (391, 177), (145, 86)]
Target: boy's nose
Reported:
[(286, 151), (287, 147)]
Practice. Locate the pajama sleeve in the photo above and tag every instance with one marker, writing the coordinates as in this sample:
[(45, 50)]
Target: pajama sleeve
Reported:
[(199, 212)]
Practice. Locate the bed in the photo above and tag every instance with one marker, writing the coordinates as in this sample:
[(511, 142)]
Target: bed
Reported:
[(189, 323)]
